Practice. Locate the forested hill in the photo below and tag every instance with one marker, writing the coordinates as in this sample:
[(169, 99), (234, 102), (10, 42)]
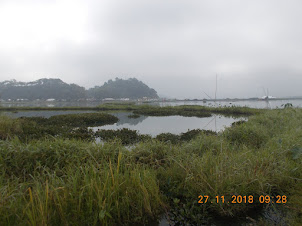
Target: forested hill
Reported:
[(41, 89), (44, 89), (131, 88)]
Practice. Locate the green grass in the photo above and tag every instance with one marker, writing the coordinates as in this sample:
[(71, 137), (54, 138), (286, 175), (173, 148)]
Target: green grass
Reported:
[(70, 182), (57, 181), (66, 126), (83, 119), (145, 109), (134, 116), (127, 136), (9, 127)]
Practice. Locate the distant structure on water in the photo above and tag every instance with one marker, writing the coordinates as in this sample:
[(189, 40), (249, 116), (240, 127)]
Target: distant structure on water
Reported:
[(267, 97)]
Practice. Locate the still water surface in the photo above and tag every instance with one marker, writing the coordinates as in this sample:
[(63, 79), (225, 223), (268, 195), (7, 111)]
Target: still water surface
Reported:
[(249, 103), (272, 104), (152, 125), (155, 125)]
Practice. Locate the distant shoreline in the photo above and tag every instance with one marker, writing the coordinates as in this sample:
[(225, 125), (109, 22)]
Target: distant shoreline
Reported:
[(159, 100), (229, 99)]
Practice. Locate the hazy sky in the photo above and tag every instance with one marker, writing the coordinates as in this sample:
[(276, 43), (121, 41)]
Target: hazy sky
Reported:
[(174, 46)]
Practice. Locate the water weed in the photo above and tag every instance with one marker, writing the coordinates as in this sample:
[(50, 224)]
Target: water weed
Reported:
[(58, 181)]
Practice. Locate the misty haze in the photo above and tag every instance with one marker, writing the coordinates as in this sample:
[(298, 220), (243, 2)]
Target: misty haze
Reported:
[(150, 112)]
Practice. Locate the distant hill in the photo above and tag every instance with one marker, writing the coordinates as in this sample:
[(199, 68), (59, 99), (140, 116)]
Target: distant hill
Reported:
[(42, 89), (130, 88)]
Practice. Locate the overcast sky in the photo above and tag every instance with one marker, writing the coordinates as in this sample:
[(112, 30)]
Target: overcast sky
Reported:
[(175, 46)]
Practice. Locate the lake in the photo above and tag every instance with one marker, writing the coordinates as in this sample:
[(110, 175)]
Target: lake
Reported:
[(152, 125), (272, 104), (249, 103), (155, 125)]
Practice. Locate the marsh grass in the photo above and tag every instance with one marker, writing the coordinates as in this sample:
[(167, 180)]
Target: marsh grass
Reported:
[(145, 109), (65, 126), (134, 116), (183, 137), (67, 183), (197, 111), (76, 120), (125, 135), (55, 181), (128, 137), (9, 127)]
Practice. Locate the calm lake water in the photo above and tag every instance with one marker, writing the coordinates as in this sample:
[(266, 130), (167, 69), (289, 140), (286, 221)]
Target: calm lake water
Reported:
[(155, 125), (251, 103), (272, 104), (152, 125)]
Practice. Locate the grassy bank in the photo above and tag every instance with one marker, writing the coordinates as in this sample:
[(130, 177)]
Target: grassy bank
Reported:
[(66, 126), (198, 111), (150, 110), (127, 136), (57, 181)]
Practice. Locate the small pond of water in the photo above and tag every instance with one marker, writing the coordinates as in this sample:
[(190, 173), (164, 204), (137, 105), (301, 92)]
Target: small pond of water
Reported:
[(152, 125), (155, 125)]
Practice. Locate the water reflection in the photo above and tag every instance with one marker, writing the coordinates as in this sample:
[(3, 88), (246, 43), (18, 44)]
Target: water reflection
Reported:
[(123, 118), (169, 124), (152, 125)]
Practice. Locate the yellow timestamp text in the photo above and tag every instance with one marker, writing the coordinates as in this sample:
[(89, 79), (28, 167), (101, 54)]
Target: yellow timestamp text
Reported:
[(235, 199)]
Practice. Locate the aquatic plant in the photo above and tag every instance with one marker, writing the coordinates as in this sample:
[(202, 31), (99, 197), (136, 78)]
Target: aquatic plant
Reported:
[(287, 105), (126, 136), (183, 137), (58, 181), (134, 116), (55, 126), (145, 109), (83, 119), (169, 111)]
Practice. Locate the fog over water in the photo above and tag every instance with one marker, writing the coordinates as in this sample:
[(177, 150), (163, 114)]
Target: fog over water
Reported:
[(176, 47), (272, 104)]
